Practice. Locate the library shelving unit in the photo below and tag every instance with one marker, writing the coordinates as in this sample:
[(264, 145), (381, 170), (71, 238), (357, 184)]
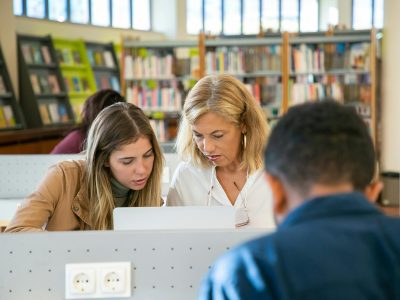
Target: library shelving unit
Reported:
[(254, 61), (43, 97), (104, 63), (10, 113), (340, 66), (76, 71), (156, 77)]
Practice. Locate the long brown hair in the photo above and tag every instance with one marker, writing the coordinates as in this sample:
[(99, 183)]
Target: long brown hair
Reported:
[(117, 125)]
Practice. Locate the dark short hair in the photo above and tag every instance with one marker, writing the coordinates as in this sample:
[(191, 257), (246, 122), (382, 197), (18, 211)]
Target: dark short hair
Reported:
[(320, 143)]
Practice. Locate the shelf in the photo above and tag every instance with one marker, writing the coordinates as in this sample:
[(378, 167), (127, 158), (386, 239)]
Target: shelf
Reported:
[(330, 39), (243, 42), (331, 72), (179, 78), (79, 94), (160, 44), (160, 114), (254, 74), (6, 95), (73, 67), (59, 95), (42, 66), (104, 68)]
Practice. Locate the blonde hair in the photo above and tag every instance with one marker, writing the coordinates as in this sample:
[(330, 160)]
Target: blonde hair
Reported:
[(228, 97), (117, 125)]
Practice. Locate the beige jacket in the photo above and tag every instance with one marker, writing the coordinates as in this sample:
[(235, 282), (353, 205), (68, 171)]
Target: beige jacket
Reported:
[(58, 204)]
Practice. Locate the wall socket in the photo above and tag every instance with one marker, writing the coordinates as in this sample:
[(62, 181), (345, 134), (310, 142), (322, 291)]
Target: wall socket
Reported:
[(98, 280)]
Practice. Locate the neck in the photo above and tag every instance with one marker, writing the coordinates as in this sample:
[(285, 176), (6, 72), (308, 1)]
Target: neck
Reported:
[(231, 168)]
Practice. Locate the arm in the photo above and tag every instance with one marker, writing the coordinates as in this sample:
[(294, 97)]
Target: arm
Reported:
[(38, 207)]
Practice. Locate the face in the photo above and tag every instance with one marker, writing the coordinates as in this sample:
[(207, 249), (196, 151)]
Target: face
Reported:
[(131, 164), (218, 140)]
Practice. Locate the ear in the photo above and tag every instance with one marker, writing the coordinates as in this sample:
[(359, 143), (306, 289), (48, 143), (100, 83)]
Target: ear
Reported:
[(373, 190), (243, 128), (278, 194)]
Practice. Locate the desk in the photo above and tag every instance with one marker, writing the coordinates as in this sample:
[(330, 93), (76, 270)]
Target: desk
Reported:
[(32, 141)]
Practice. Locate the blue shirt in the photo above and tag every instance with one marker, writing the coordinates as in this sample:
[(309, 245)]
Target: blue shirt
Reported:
[(336, 247)]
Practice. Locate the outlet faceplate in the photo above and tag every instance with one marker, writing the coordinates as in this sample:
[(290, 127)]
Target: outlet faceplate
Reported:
[(98, 280)]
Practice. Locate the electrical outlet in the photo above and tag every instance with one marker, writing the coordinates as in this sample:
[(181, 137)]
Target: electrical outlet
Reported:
[(80, 281), (98, 280), (115, 279)]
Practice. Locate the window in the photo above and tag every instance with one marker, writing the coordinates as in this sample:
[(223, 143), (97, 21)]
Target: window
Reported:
[(309, 16), (115, 13), (270, 15), (100, 12), (232, 17), (35, 9), (58, 10), (141, 14), (79, 11), (251, 17), (362, 14), (121, 13), (212, 16), (18, 9), (194, 16), (378, 13), (290, 15)]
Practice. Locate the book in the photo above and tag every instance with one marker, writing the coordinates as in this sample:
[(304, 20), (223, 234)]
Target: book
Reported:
[(44, 114), (53, 111), (3, 122), (9, 115), (76, 57), (98, 58), (91, 57), (37, 56), (62, 111), (85, 85), (108, 59), (115, 83), (44, 84), (3, 89), (76, 84), (53, 83), (59, 56), (35, 84), (105, 84), (46, 54), (67, 83), (26, 52), (66, 54)]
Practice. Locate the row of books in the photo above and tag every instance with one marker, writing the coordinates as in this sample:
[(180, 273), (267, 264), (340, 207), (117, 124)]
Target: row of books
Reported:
[(243, 59), (3, 88), (68, 56), (160, 128), (101, 58), (107, 82), (151, 66), (52, 112), (352, 93), (77, 84), (7, 118), (36, 54), (159, 98), (44, 84)]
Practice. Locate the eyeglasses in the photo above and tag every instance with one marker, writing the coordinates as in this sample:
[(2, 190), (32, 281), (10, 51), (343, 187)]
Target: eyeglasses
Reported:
[(241, 214)]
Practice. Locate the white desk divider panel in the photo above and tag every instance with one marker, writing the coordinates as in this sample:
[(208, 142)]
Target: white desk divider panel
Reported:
[(21, 174), (164, 264)]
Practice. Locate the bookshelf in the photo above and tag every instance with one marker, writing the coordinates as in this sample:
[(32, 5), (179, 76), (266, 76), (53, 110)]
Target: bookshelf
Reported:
[(104, 63), (76, 71), (44, 100), (341, 66), (279, 70), (256, 62), (157, 76), (10, 113)]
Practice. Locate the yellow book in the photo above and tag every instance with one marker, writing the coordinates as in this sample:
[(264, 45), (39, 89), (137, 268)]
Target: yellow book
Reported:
[(3, 122)]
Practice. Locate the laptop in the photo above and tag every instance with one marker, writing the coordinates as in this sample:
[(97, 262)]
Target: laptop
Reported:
[(177, 217)]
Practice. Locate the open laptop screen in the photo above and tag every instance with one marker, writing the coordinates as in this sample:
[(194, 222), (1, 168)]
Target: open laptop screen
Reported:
[(183, 217)]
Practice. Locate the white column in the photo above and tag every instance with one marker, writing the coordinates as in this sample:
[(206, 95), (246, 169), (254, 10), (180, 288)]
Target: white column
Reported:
[(391, 88)]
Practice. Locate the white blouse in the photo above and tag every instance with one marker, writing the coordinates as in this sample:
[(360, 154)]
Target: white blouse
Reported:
[(195, 186)]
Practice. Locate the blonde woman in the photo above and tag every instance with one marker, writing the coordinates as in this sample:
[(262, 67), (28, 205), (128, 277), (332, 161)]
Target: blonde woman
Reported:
[(221, 139), (122, 167)]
